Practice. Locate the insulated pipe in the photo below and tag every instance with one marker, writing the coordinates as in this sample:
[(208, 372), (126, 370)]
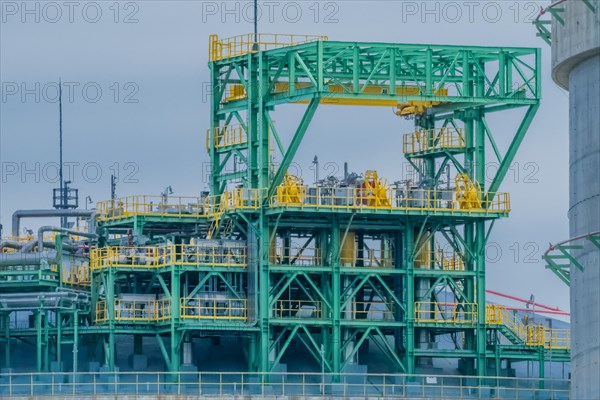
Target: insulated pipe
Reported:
[(17, 215), (25, 259), (10, 245), (28, 246), (48, 228)]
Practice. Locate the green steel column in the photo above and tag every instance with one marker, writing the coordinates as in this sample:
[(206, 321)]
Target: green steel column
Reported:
[(175, 332), (38, 331), (542, 370), (408, 247), (480, 232), (264, 295), (253, 122), (6, 318), (336, 339), (58, 336), (110, 308), (46, 341), (252, 352), (75, 340), (262, 88), (469, 233), (214, 123)]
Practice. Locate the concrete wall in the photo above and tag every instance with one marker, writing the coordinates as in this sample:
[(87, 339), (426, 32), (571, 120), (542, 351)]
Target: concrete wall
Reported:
[(576, 67)]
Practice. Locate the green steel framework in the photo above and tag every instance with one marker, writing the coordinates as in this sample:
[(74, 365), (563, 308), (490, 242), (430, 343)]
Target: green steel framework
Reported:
[(480, 81)]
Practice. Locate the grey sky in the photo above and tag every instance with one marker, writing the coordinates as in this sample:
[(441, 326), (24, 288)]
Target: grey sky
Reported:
[(159, 58)]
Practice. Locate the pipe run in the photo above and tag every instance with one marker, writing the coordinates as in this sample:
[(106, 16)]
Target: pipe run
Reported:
[(17, 215), (40, 237), (13, 259)]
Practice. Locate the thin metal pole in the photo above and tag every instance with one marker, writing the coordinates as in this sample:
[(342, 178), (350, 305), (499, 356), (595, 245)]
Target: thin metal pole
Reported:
[(255, 22), (63, 220)]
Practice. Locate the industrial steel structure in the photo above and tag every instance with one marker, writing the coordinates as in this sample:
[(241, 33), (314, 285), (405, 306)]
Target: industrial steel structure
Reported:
[(338, 267)]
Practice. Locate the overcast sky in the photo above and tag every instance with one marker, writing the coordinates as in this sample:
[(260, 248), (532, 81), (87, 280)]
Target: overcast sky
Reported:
[(136, 104)]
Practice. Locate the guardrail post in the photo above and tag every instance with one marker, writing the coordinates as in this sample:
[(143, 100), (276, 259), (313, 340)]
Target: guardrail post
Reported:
[(31, 384)]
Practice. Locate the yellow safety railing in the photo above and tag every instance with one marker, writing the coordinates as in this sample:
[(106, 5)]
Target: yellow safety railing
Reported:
[(534, 335), (229, 135), (17, 239), (77, 272), (101, 311), (445, 313), (226, 254), (292, 256), (496, 314), (213, 308), (155, 310), (557, 338), (134, 311), (448, 260), (408, 200), (531, 335), (171, 206), (370, 310), (297, 309), (241, 199), (425, 140), (243, 44), (131, 257)]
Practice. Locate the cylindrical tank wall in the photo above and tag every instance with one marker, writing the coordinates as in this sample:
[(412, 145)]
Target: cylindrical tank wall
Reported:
[(576, 67)]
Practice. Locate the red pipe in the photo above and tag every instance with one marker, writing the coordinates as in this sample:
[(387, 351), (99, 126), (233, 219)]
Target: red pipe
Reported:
[(523, 300), (539, 311)]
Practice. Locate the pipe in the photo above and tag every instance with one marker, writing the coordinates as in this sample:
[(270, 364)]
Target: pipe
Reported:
[(10, 259), (47, 228), (9, 244), (17, 215), (524, 301), (28, 246)]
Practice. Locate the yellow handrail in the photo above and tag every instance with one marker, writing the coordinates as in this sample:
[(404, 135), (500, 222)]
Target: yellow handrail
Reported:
[(352, 198), (531, 335), (213, 308), (295, 255), (212, 254), (131, 257), (424, 140), (445, 313), (219, 49)]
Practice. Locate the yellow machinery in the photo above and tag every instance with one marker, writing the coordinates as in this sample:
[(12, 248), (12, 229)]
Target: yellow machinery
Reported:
[(348, 251), (414, 107), (291, 190), (468, 194), (237, 92), (374, 192)]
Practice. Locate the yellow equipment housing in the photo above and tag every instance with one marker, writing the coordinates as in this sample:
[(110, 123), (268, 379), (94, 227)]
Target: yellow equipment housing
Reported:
[(375, 191), (468, 194), (237, 92), (291, 190)]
